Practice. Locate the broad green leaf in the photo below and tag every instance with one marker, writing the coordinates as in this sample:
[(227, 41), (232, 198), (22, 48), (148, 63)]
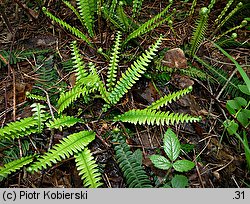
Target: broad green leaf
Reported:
[(235, 104), (179, 181), (244, 89), (243, 117), (160, 162), (183, 165), (171, 144), (231, 126)]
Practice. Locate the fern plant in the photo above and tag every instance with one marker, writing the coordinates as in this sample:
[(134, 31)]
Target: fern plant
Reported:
[(14, 166), (88, 169), (135, 175), (199, 31), (88, 81)]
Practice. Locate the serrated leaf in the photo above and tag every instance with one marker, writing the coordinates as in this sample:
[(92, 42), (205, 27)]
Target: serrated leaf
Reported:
[(179, 181), (171, 144), (183, 165), (160, 162)]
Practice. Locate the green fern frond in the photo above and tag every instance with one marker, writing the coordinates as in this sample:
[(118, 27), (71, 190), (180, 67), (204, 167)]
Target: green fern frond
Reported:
[(68, 4), (232, 13), (73, 30), (113, 64), (135, 175), (79, 66), (66, 99), (137, 5), (74, 143), (87, 10), (129, 78), (191, 12), (122, 17), (88, 169), (17, 129), (62, 121), (149, 25), (35, 96), (243, 24), (39, 115), (152, 117), (111, 17), (199, 31), (222, 77), (163, 101), (211, 5), (14, 166), (223, 12), (195, 73)]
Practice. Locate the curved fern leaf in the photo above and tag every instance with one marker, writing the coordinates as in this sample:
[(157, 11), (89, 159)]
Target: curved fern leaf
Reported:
[(169, 98), (199, 31), (14, 166), (151, 117), (17, 129), (67, 147), (73, 30), (129, 78), (62, 121), (137, 4), (88, 169), (66, 99), (113, 65), (87, 10), (79, 66), (68, 4), (39, 115), (135, 175), (149, 25)]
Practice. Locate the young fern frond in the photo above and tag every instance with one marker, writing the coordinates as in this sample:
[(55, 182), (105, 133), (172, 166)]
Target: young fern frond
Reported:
[(134, 173), (87, 10), (62, 121), (243, 23), (113, 64), (68, 4), (87, 168), (223, 12), (17, 129), (14, 166), (66, 99), (79, 66), (163, 101), (191, 12), (137, 5), (195, 73), (211, 5), (238, 6), (199, 31), (74, 143), (113, 6), (129, 78), (152, 117), (122, 17), (73, 30), (149, 25), (39, 115)]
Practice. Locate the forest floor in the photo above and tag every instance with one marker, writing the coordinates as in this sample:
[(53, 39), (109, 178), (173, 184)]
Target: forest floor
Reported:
[(219, 158)]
